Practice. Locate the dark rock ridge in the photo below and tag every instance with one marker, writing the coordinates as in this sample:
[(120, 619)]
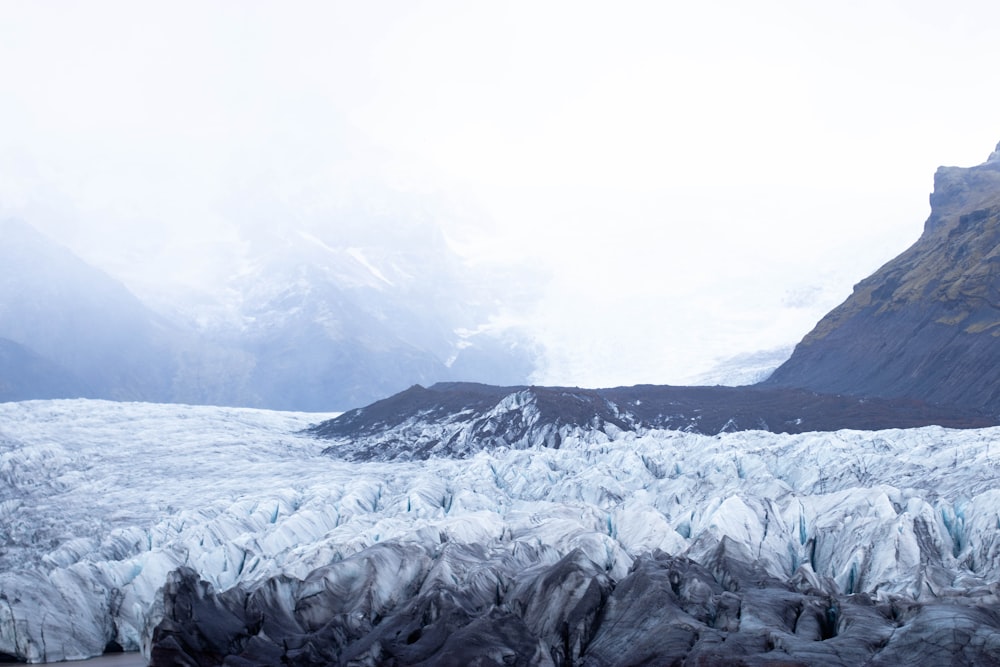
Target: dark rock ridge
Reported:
[(927, 324), (404, 604), (459, 419)]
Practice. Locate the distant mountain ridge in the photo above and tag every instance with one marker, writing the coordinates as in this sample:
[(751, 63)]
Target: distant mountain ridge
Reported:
[(80, 320), (315, 324), (927, 324), (323, 323)]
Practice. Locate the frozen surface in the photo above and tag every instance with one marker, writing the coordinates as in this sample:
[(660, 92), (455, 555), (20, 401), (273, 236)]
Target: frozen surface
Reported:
[(100, 501)]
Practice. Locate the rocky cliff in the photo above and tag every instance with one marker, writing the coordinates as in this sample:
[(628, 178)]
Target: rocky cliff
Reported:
[(927, 324)]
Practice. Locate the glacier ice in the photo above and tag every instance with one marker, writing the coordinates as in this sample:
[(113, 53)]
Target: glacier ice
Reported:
[(103, 505)]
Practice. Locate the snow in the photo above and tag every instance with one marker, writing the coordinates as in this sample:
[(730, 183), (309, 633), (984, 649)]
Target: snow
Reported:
[(741, 369), (359, 255), (99, 501)]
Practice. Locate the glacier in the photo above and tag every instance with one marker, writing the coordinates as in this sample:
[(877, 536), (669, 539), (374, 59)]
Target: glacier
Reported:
[(122, 522)]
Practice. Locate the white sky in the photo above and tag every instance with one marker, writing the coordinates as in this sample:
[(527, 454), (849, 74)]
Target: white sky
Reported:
[(700, 178)]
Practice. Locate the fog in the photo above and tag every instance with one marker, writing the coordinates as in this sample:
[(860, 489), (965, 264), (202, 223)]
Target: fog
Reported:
[(664, 184)]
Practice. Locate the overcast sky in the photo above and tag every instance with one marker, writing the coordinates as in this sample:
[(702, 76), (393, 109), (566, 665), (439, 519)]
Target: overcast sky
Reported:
[(700, 179)]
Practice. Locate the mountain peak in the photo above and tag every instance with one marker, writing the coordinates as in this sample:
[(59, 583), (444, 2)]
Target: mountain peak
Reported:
[(995, 155), (963, 190)]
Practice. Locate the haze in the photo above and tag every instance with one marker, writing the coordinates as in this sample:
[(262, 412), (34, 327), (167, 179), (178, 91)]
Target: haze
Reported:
[(682, 182)]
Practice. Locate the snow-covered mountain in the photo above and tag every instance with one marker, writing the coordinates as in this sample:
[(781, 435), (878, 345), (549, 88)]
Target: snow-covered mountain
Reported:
[(217, 535), (332, 318), (309, 317)]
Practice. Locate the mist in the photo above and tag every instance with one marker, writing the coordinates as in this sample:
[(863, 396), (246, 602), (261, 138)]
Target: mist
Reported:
[(639, 192)]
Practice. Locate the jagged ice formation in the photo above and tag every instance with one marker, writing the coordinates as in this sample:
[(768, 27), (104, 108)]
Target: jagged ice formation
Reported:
[(204, 535)]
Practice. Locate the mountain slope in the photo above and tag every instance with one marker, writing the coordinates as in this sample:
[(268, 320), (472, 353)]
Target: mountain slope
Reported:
[(927, 324), (80, 319), (25, 375)]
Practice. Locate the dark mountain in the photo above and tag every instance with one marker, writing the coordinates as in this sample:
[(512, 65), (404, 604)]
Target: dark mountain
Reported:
[(927, 324), (459, 419)]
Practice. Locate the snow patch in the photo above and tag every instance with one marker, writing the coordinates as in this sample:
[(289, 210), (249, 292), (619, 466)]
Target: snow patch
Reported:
[(359, 256)]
